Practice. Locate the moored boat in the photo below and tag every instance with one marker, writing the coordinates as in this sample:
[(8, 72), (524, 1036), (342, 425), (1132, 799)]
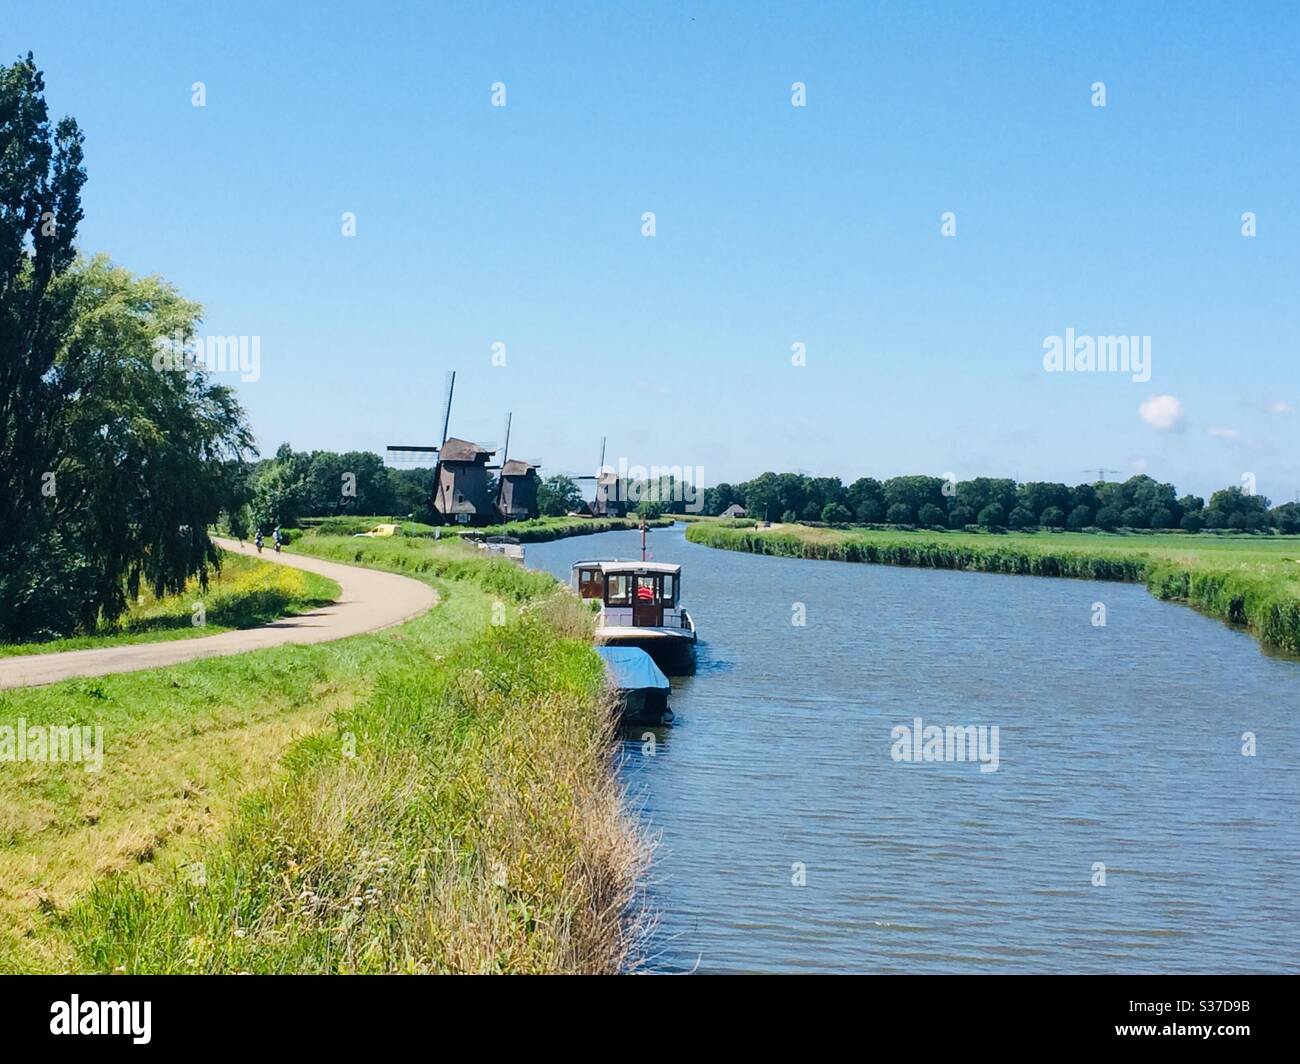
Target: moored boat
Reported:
[(640, 606), (640, 687), (506, 546)]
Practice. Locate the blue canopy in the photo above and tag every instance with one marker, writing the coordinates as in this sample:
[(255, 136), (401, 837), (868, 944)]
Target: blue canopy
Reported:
[(632, 669)]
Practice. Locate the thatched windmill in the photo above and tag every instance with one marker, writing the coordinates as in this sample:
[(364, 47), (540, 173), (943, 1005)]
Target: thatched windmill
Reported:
[(608, 501), (516, 485), (461, 484)]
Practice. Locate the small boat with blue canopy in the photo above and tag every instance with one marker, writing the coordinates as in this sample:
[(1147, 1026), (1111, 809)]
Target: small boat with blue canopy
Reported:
[(641, 687)]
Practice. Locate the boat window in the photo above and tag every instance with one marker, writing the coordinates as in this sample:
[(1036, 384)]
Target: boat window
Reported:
[(647, 588), (618, 590), (590, 583), (668, 587)]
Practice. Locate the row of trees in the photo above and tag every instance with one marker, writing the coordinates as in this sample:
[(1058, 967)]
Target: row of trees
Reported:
[(297, 484), (1139, 502)]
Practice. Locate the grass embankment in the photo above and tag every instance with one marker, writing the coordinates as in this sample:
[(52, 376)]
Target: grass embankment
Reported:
[(434, 797), (1248, 580), (246, 592), (537, 530), (541, 529)]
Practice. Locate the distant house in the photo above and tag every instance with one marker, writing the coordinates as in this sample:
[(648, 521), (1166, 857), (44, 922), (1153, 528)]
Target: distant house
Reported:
[(462, 492), (517, 497), (735, 510)]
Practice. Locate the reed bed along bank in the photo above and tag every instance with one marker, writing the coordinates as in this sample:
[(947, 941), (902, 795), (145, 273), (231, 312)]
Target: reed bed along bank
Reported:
[(1251, 581), (453, 807)]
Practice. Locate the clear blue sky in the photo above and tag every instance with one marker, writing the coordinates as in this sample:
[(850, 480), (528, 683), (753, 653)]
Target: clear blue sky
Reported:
[(775, 224)]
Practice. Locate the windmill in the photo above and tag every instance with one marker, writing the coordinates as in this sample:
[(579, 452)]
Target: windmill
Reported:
[(460, 475), (606, 502), (516, 485), (1101, 473)]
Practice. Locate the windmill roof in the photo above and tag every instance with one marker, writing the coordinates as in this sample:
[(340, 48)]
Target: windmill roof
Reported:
[(456, 450), (516, 468)]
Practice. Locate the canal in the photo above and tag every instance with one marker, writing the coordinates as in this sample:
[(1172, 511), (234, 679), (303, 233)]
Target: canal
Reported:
[(1123, 830)]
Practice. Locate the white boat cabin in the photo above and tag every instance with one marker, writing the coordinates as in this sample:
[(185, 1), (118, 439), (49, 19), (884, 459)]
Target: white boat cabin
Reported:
[(635, 594)]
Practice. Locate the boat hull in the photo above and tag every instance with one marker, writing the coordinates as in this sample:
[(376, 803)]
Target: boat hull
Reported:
[(673, 649), (644, 706)]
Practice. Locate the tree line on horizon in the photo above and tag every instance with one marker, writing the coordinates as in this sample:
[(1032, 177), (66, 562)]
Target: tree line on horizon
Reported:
[(293, 485), (996, 503)]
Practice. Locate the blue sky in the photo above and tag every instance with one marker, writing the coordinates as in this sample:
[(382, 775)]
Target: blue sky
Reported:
[(774, 224)]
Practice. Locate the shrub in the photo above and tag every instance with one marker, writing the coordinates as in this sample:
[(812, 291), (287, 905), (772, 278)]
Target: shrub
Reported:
[(1080, 518), (960, 517), (932, 515), (1109, 518), (1021, 518)]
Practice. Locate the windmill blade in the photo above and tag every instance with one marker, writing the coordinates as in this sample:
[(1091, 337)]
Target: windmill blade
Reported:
[(404, 454), (505, 451), (446, 405), (588, 476), (505, 457), (439, 489)]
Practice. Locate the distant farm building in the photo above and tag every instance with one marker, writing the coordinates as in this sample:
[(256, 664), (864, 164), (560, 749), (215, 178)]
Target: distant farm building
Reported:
[(517, 496), (462, 493), (735, 510)]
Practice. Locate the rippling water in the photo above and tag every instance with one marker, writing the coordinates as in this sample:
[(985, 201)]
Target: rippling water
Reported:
[(1118, 744)]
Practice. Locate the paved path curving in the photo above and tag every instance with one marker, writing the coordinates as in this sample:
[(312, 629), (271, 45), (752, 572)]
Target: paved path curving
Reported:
[(369, 600)]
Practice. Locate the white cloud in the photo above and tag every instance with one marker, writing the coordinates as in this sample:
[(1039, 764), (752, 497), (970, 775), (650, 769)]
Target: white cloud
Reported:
[(1163, 413), (1231, 435), (1281, 406)]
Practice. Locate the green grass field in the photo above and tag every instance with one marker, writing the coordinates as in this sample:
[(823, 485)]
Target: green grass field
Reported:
[(434, 797), (245, 593), (1248, 580)]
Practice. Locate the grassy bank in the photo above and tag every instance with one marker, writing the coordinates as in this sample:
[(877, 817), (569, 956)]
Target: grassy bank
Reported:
[(434, 797), (1248, 580), (245, 593), (537, 530), (541, 529)]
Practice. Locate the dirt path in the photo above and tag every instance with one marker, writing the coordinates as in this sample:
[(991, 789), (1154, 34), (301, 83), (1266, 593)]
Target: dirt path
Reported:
[(369, 600)]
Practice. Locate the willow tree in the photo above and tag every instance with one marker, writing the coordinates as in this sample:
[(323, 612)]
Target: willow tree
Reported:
[(111, 470)]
